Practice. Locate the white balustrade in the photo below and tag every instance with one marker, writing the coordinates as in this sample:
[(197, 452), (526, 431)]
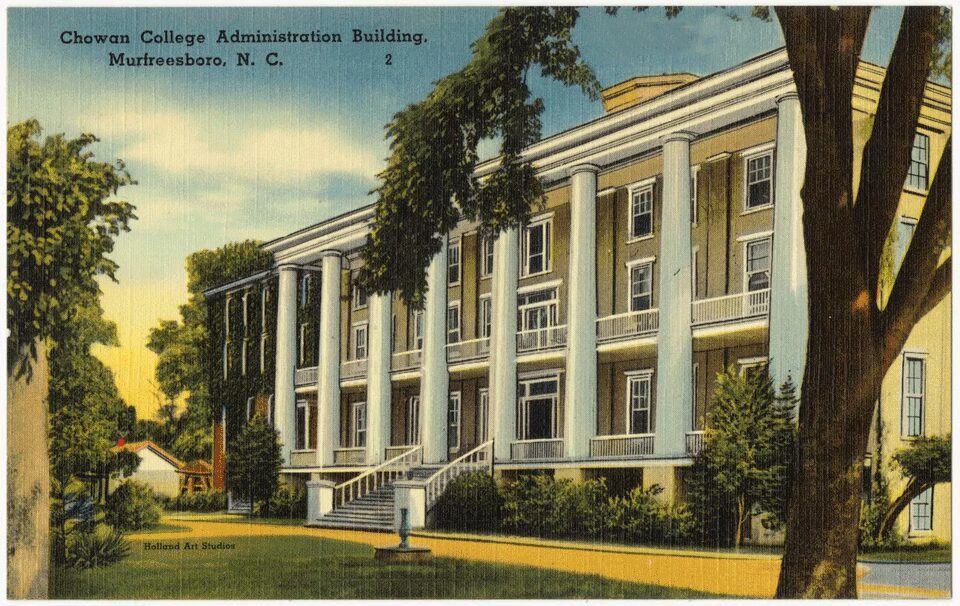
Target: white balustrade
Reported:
[(394, 451), (306, 376), (536, 449), (694, 442), (731, 308), (352, 369), (405, 360), (552, 337), (630, 324), (382, 475), (303, 458), (478, 459), (475, 349), (622, 445), (349, 456)]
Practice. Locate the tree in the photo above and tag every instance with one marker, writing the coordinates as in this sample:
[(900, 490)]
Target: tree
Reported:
[(854, 332), (253, 463), (924, 463), (61, 227), (747, 454)]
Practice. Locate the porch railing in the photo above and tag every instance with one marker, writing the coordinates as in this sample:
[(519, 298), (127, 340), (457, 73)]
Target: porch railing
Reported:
[(474, 349), (382, 475), (405, 360), (393, 451), (352, 369), (305, 376), (630, 324), (731, 308), (349, 456), (523, 450), (303, 458), (478, 459), (622, 445), (694, 442), (552, 337)]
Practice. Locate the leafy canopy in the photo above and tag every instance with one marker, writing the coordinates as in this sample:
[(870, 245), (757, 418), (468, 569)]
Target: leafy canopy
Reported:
[(926, 459)]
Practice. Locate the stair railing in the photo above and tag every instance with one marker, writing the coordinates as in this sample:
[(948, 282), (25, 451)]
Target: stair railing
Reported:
[(373, 479), (478, 459)]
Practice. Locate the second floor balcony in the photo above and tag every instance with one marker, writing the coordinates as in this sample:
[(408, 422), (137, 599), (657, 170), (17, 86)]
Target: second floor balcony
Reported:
[(353, 369), (633, 324), (465, 351), (731, 308), (542, 339), (405, 360)]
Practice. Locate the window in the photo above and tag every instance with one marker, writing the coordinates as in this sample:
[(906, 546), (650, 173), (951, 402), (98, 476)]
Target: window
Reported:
[(453, 421), (413, 420), (921, 511), (303, 343), (306, 425), (359, 297), (536, 248), (360, 342), (226, 361), (694, 254), (226, 318), (243, 357), (486, 316), (537, 309), (905, 229), (453, 263), (453, 322), (251, 407), (919, 170), (486, 257), (359, 414), (638, 402), (263, 309), (243, 302), (694, 208), (759, 181), (270, 410), (913, 401), (484, 412), (641, 212), (750, 366), (537, 412), (418, 330), (758, 265), (641, 287), (263, 353), (305, 282), (693, 391)]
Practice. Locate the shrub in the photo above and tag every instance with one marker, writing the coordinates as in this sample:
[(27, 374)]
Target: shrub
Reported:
[(287, 501), (253, 463), (132, 506), (639, 518), (541, 506), (96, 547), (213, 500), (472, 502)]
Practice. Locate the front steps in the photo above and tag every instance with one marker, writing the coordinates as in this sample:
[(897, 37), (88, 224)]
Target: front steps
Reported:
[(373, 512)]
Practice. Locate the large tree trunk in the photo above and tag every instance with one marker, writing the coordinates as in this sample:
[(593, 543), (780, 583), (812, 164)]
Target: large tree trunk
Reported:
[(28, 481), (910, 492)]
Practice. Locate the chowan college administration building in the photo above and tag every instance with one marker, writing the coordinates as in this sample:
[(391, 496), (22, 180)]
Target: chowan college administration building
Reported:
[(585, 344)]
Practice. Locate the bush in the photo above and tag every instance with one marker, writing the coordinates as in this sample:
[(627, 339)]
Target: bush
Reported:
[(640, 518), (287, 502), (472, 502), (213, 500), (96, 547), (132, 506), (541, 506)]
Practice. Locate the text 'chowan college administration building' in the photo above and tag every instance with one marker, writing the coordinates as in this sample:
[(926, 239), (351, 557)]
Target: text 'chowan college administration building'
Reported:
[(587, 343)]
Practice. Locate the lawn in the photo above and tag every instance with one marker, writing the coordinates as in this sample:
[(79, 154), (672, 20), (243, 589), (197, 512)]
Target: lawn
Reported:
[(933, 552), (291, 567)]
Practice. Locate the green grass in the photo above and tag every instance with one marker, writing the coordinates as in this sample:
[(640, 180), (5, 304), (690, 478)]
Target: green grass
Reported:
[(232, 518), (311, 567), (931, 552), (163, 528)]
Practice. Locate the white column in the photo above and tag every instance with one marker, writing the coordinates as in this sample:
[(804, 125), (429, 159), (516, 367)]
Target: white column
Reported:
[(503, 343), (675, 340), (434, 378), (285, 399), (328, 368), (580, 418), (788, 288), (378, 377)]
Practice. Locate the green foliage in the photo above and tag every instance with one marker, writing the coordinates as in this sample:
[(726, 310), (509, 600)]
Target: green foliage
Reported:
[(471, 503), (253, 464), (288, 502), (428, 185), (133, 506), (60, 229), (926, 459), (639, 518), (214, 500), (747, 457), (98, 547), (541, 506), (941, 61)]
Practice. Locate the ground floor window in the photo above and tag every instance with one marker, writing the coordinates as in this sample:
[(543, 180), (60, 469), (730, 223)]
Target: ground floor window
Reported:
[(913, 397), (413, 420), (639, 402), (921, 511), (359, 420), (453, 420), (306, 425), (537, 409), (484, 412)]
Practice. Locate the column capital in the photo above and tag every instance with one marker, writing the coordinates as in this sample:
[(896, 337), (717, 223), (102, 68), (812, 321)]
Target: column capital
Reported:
[(331, 252), (288, 267), (680, 135), (586, 167), (788, 96)]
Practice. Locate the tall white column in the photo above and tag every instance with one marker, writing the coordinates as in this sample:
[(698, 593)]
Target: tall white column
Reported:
[(675, 339), (580, 408), (434, 378), (503, 343), (788, 286), (285, 398), (378, 377), (328, 368)]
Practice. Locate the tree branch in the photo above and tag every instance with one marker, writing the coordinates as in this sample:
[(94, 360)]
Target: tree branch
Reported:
[(920, 284), (886, 157)]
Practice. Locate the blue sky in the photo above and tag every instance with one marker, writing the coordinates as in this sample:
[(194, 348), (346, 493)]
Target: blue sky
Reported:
[(222, 154)]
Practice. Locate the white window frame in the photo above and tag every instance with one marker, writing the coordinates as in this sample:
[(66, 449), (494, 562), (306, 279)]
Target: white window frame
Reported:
[(243, 357), (226, 317), (913, 146), (454, 259), (914, 504), (251, 406), (305, 433), (358, 412), (749, 156), (270, 410), (360, 352), (305, 284), (454, 412), (746, 260), (544, 222), (898, 259), (486, 256), (302, 338), (226, 360), (523, 410), (693, 408), (694, 272), (905, 394), (263, 353), (454, 306), (636, 190), (486, 316), (633, 377), (694, 184), (413, 420), (359, 301), (745, 363), (552, 305), (483, 409), (243, 302), (632, 266), (263, 309), (418, 330)]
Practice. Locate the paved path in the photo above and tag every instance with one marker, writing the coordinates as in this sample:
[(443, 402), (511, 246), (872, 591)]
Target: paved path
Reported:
[(746, 575), (906, 580)]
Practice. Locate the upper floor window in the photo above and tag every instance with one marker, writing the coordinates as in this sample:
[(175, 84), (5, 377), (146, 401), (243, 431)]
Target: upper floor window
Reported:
[(263, 353), (759, 181), (536, 248), (360, 342), (486, 316), (302, 343), (905, 228), (306, 421), (243, 357), (453, 322), (912, 404), (537, 309), (921, 511), (641, 212), (453, 421), (305, 283), (694, 208), (359, 297), (418, 330), (226, 317), (359, 414), (243, 301), (486, 257), (453, 263), (757, 267), (638, 405), (263, 309), (226, 360), (641, 286), (918, 174)]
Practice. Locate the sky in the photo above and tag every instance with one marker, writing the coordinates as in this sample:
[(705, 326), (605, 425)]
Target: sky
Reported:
[(230, 153)]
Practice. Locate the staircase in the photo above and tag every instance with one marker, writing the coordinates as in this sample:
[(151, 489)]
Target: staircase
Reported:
[(373, 511)]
